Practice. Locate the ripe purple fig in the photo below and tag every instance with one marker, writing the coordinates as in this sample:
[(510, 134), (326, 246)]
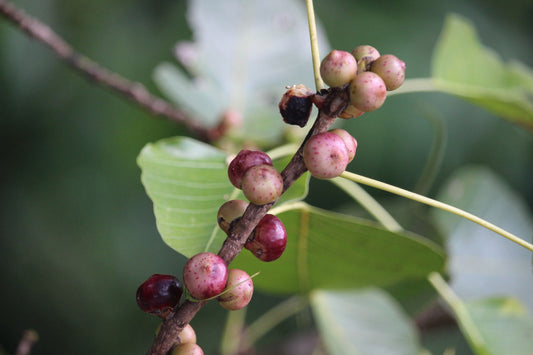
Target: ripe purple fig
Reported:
[(338, 68), (241, 289), (159, 294), (268, 240), (262, 184), (244, 161), (367, 91), (205, 275), (325, 155)]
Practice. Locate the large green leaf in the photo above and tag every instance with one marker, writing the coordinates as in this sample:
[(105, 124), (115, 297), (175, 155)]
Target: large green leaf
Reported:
[(327, 250), (462, 66), (187, 181), (243, 54), (492, 326), (482, 263), (360, 322)]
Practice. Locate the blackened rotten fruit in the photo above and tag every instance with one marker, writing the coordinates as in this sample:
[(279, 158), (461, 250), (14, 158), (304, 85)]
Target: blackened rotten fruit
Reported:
[(296, 104)]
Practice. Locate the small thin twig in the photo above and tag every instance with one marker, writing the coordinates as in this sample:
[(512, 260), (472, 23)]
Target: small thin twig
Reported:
[(29, 338), (134, 91), (335, 102)]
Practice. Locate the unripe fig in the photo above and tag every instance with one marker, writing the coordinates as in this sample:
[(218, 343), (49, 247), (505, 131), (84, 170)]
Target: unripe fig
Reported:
[(391, 70), (365, 55), (363, 51), (367, 91), (238, 296), (244, 161), (351, 142), (159, 294), (325, 155), (205, 275), (187, 335), (338, 68), (262, 184), (296, 104), (229, 212), (350, 111), (268, 240), (187, 349)]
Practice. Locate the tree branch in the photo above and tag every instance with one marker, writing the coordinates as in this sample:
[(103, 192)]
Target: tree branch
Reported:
[(134, 91), (336, 99)]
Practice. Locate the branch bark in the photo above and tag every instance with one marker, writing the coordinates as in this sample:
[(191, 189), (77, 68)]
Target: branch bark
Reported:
[(336, 100), (134, 91)]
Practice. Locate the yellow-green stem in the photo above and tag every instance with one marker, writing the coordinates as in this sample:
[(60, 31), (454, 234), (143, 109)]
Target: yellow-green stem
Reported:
[(314, 44), (463, 316), (434, 203)]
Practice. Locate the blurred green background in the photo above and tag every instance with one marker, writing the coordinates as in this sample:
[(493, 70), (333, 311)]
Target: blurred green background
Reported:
[(77, 229)]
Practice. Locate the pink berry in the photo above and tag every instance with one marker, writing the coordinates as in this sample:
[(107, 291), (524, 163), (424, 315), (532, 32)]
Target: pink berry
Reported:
[(244, 161), (229, 212), (367, 91), (262, 184), (338, 68), (238, 296), (390, 69), (187, 349), (351, 142), (205, 275), (268, 240), (159, 294), (325, 155)]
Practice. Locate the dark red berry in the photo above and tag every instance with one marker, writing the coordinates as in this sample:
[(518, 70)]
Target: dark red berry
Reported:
[(244, 161), (159, 294), (269, 239), (296, 104)]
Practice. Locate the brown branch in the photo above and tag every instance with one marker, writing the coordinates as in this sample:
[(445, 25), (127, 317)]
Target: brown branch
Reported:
[(335, 102), (134, 91)]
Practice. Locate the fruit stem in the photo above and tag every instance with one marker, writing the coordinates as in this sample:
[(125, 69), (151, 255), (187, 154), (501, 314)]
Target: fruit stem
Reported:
[(368, 203), (315, 53), (231, 338), (415, 85), (272, 318), (437, 204), (461, 312)]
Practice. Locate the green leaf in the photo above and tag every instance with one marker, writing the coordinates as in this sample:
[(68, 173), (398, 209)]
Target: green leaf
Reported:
[(504, 324), (366, 321), (462, 66), (492, 326), (327, 250), (187, 181), (482, 263), (244, 53)]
